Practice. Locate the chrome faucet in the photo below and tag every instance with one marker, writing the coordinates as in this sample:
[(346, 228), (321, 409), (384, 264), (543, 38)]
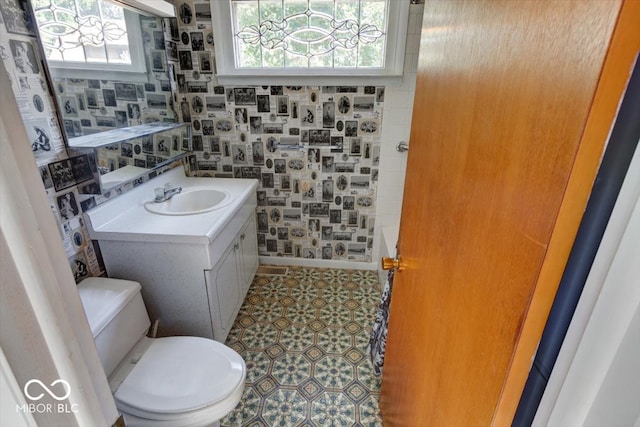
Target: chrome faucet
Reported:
[(164, 194)]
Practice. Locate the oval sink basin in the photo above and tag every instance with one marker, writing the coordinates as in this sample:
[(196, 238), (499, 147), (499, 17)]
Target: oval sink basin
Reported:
[(191, 202)]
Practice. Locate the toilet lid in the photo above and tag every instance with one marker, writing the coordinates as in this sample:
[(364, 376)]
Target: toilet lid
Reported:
[(180, 374)]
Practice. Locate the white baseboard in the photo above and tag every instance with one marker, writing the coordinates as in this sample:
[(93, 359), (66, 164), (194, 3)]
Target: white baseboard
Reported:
[(319, 263)]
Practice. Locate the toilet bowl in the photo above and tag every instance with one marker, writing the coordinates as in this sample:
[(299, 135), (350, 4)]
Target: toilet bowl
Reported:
[(171, 381)]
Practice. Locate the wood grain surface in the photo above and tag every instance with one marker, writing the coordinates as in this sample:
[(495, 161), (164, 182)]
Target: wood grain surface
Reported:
[(503, 98)]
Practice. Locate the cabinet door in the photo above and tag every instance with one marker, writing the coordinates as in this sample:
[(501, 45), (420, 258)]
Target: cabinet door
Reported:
[(226, 286), (248, 253)]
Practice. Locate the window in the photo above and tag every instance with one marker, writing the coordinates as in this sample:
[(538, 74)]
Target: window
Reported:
[(89, 35), (328, 40)]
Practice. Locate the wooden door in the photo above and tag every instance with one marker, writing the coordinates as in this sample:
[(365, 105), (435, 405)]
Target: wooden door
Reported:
[(505, 143)]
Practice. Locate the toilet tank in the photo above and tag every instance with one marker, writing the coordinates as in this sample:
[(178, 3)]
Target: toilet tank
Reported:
[(117, 317)]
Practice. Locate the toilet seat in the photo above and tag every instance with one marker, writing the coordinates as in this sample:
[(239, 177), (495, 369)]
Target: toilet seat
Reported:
[(177, 376)]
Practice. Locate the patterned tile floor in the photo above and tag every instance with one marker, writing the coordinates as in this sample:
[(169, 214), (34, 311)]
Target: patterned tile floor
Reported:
[(304, 337)]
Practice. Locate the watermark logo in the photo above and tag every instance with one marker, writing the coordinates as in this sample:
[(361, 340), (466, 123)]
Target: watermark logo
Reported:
[(35, 390), (67, 389)]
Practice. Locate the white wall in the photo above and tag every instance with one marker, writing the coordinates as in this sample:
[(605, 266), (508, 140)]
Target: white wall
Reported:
[(11, 398), (44, 333), (596, 379), (396, 127)]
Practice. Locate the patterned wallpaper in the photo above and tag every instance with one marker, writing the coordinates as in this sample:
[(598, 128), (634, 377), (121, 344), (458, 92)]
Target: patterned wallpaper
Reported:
[(21, 60), (314, 150), (90, 106), (62, 174)]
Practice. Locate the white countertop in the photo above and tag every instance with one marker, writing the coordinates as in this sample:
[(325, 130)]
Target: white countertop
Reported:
[(124, 218), (121, 175), (118, 135)]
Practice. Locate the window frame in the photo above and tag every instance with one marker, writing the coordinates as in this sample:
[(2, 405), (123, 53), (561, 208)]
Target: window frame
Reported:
[(136, 71), (227, 73)]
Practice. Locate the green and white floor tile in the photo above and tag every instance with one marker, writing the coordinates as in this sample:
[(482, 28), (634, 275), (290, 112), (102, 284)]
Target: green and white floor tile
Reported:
[(304, 338)]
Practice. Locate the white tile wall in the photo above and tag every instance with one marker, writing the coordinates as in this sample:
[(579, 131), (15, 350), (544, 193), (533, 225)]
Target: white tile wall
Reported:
[(396, 127)]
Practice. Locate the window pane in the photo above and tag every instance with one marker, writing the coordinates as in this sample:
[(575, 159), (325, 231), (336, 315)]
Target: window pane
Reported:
[(297, 48), (88, 8), (111, 11), (347, 9), (344, 58), (295, 7), (322, 6), (65, 4), (245, 15), (321, 61), (83, 31), (118, 54), (95, 53), (310, 33), (74, 54), (370, 55), (270, 10), (295, 61), (250, 56), (273, 58), (39, 3)]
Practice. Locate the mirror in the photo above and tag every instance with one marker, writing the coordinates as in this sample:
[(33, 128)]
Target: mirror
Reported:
[(108, 68), (122, 155)]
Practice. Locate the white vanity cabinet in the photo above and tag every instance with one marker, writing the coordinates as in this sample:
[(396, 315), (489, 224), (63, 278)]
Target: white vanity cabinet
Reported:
[(194, 270), (229, 280), (249, 252)]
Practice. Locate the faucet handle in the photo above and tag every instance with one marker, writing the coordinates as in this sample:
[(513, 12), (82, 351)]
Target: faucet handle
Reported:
[(168, 186), (159, 191)]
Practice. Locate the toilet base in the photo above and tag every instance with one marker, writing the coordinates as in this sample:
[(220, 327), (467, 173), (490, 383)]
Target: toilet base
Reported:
[(199, 418)]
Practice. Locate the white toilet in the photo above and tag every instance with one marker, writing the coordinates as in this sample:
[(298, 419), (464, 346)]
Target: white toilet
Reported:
[(172, 381)]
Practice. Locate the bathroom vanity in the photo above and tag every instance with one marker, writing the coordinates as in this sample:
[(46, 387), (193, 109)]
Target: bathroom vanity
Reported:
[(195, 256)]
